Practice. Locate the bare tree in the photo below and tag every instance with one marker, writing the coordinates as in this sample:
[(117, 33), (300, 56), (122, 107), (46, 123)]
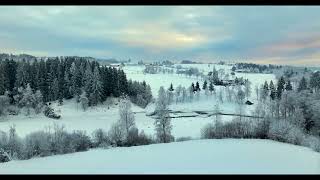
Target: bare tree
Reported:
[(163, 121), (126, 115)]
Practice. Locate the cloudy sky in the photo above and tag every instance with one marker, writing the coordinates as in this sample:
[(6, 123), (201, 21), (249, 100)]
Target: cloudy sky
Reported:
[(261, 34)]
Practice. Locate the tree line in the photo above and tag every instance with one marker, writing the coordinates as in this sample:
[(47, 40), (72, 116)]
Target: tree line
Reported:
[(66, 78)]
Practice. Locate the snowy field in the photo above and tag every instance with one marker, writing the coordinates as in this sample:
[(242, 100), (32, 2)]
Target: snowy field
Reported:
[(157, 80), (227, 156), (101, 117), (196, 156), (74, 118)]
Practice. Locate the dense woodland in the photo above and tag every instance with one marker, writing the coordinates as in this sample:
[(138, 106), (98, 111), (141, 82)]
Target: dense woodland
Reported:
[(256, 68), (65, 78)]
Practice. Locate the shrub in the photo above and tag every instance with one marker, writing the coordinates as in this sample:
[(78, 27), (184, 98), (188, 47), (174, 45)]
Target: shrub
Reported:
[(3, 139), (4, 156), (100, 138), (180, 139), (208, 132), (262, 128), (13, 110), (234, 129), (60, 141), (135, 138), (80, 141), (37, 144), (279, 129), (311, 142), (132, 137), (295, 136), (49, 112), (144, 139), (14, 146), (117, 135)]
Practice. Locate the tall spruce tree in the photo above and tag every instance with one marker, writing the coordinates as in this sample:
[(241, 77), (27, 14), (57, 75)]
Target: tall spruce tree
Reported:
[(288, 86), (280, 87), (302, 84), (171, 87), (211, 87), (198, 86), (204, 87), (2, 81), (88, 80), (96, 94), (273, 92), (123, 83)]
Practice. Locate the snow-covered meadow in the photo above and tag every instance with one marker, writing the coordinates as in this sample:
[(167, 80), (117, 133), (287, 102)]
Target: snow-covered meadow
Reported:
[(221, 156), (74, 118), (198, 156)]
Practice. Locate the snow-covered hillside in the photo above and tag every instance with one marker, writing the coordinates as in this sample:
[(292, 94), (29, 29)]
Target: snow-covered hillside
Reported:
[(228, 156)]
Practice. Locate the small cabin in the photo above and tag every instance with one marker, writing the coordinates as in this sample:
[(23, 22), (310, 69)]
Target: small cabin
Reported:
[(249, 102)]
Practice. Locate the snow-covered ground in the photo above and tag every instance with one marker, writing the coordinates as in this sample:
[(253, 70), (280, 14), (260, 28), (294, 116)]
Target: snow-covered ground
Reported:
[(227, 156), (196, 156), (74, 118), (157, 80), (101, 117)]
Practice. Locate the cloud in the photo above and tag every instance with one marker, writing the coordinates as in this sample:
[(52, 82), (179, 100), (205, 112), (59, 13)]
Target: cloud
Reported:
[(203, 33)]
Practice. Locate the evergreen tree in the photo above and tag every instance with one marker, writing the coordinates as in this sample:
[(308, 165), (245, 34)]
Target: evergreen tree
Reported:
[(21, 76), (2, 80), (67, 89), (88, 79), (280, 87), (211, 87), (264, 91), (34, 75), (54, 90), (96, 94), (123, 83), (4, 103), (75, 89), (115, 83), (10, 69), (198, 86), (214, 78), (27, 100), (204, 87), (302, 84), (107, 81), (171, 87), (272, 91), (315, 81), (193, 88), (288, 86), (61, 83), (265, 86), (43, 85), (38, 102)]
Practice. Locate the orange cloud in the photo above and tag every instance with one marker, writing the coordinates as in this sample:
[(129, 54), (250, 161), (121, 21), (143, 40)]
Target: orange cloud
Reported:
[(312, 60), (293, 45), (158, 37)]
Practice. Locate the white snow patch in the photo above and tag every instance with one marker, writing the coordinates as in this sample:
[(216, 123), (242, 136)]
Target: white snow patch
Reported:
[(224, 156)]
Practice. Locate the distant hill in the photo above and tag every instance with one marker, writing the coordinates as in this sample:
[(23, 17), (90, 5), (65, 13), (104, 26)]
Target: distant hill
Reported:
[(107, 61), (188, 62), (31, 58), (19, 57)]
